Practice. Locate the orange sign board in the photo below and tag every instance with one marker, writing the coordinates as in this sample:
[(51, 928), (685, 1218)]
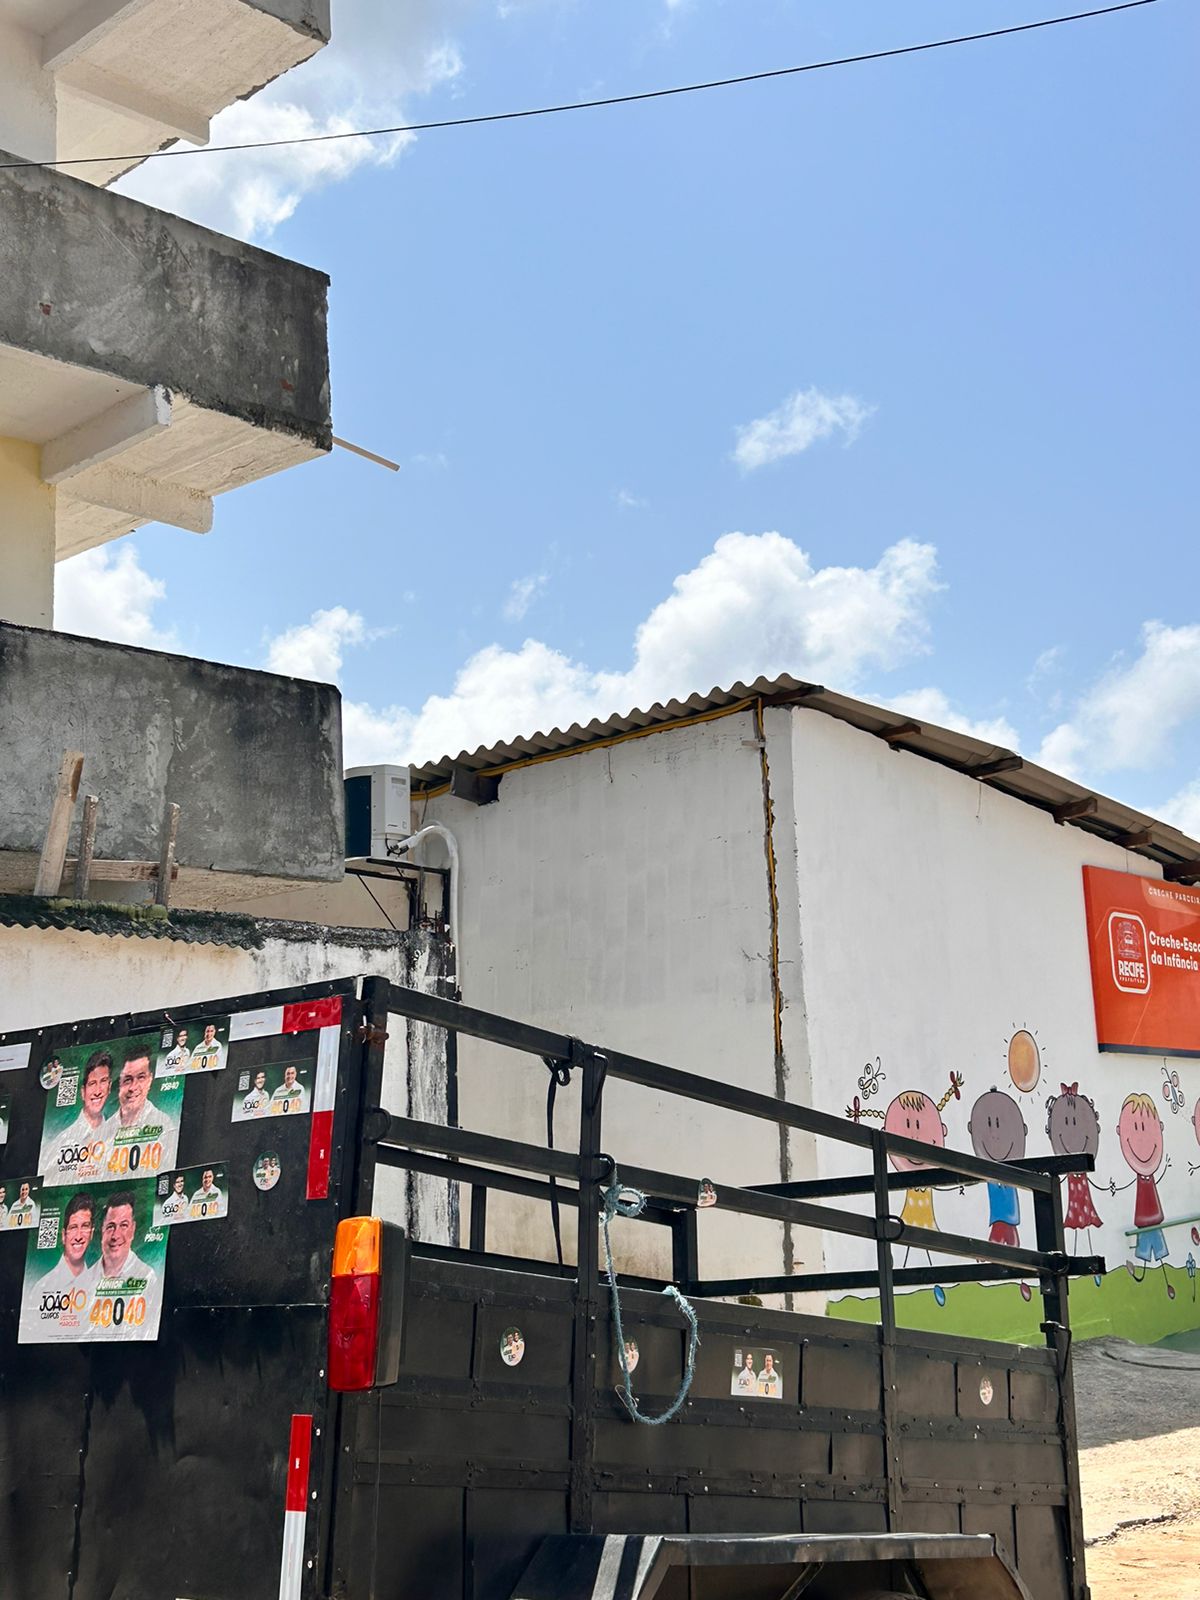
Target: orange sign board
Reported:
[(1144, 943)]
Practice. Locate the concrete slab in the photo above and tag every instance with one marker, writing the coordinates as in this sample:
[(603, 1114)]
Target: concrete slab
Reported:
[(125, 300), (134, 75)]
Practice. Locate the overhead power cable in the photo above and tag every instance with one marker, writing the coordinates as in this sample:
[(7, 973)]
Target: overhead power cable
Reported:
[(590, 105)]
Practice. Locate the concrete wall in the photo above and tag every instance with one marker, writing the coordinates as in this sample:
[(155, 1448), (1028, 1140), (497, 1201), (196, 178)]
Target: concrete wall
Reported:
[(253, 760), (621, 896), (50, 975), (28, 113), (27, 533), (100, 281), (939, 917)]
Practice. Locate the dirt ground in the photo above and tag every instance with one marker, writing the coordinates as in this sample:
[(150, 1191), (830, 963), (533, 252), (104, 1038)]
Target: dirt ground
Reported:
[(1139, 1427)]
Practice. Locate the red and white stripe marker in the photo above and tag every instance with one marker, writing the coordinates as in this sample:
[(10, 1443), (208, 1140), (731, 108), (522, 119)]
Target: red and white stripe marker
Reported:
[(291, 1570), (320, 1136)]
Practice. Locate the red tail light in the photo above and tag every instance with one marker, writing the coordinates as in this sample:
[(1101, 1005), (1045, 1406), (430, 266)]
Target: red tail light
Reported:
[(355, 1299)]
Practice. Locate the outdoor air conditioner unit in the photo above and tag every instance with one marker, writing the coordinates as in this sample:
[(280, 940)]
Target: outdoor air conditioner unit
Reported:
[(378, 810)]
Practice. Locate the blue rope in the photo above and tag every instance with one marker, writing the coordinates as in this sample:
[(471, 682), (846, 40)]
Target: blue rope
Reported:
[(622, 1202)]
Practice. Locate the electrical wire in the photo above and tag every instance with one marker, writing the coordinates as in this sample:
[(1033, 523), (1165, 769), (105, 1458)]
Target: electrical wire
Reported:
[(591, 105)]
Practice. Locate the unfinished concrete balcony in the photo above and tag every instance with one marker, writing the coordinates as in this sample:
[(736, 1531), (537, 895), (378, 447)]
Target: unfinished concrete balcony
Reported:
[(146, 365), (252, 760), (114, 78)]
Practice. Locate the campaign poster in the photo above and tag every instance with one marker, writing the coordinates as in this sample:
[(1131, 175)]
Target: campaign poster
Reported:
[(193, 1047), (20, 1203), (94, 1268), (1144, 947), (757, 1373), (282, 1089), (5, 1114), (191, 1194), (107, 1118)]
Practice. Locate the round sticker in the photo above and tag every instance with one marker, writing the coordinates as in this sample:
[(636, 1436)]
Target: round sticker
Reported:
[(512, 1347), (986, 1391), (707, 1194), (632, 1355), (266, 1170), (51, 1074)]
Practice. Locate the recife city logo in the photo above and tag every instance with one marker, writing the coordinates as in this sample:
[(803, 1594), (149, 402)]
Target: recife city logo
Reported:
[(1129, 947)]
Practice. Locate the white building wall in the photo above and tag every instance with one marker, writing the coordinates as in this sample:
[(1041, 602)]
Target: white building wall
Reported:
[(938, 917), (621, 896), (52, 975)]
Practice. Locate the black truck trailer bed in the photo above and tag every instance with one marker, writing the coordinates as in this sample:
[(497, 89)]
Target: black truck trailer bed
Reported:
[(192, 1449)]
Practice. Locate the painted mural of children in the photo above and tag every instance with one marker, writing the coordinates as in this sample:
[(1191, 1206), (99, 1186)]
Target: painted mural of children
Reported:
[(915, 1115), (1073, 1128), (1140, 1131)]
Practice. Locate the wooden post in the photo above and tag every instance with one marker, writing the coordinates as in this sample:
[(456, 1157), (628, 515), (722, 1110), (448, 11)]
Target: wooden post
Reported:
[(54, 848), (166, 859), (87, 846)]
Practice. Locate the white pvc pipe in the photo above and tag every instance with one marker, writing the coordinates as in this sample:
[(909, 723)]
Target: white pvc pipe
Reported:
[(437, 830)]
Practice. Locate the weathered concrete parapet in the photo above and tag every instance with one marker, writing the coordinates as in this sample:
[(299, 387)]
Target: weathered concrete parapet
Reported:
[(252, 759), (104, 299)]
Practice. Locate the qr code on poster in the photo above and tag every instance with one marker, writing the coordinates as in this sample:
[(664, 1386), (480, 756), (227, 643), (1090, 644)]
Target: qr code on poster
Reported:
[(243, 1080), (48, 1232), (67, 1090)]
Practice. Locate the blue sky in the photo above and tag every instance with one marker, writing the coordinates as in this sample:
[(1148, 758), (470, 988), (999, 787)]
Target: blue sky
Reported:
[(882, 375)]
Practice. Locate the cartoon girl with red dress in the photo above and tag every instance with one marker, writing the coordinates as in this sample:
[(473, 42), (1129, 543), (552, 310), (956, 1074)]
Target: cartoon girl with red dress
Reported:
[(1073, 1128)]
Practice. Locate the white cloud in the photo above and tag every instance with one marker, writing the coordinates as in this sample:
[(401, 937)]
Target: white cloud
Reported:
[(521, 595), (754, 605), (381, 55), (629, 501), (1128, 717), (804, 418), (1182, 810), (933, 705), (314, 649), (107, 594)]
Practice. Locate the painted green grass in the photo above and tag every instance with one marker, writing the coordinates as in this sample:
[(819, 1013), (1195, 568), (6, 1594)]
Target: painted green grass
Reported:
[(1118, 1305)]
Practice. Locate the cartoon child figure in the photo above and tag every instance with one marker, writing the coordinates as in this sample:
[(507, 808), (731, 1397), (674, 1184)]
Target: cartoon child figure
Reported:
[(1140, 1130), (915, 1115), (1073, 1128), (998, 1133), (1193, 1169)]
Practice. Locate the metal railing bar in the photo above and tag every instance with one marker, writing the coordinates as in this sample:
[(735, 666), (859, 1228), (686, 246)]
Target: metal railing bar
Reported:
[(411, 1134), (489, 1178), (931, 1177), (828, 1282), (478, 1024), (549, 1269), (682, 1191)]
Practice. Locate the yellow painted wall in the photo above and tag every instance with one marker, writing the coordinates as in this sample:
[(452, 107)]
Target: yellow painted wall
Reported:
[(26, 537)]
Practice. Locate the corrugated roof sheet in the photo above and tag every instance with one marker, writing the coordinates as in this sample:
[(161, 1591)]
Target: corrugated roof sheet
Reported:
[(228, 928), (1003, 769)]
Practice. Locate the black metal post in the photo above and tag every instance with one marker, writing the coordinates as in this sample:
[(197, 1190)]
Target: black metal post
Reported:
[(478, 1235), (587, 1291), (887, 1327), (1051, 1237), (685, 1250)]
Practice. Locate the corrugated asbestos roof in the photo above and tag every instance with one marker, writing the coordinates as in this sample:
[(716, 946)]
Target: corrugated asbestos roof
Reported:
[(1003, 769)]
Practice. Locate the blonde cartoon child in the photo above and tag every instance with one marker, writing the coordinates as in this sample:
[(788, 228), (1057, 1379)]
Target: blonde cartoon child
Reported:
[(1140, 1132), (915, 1115)]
